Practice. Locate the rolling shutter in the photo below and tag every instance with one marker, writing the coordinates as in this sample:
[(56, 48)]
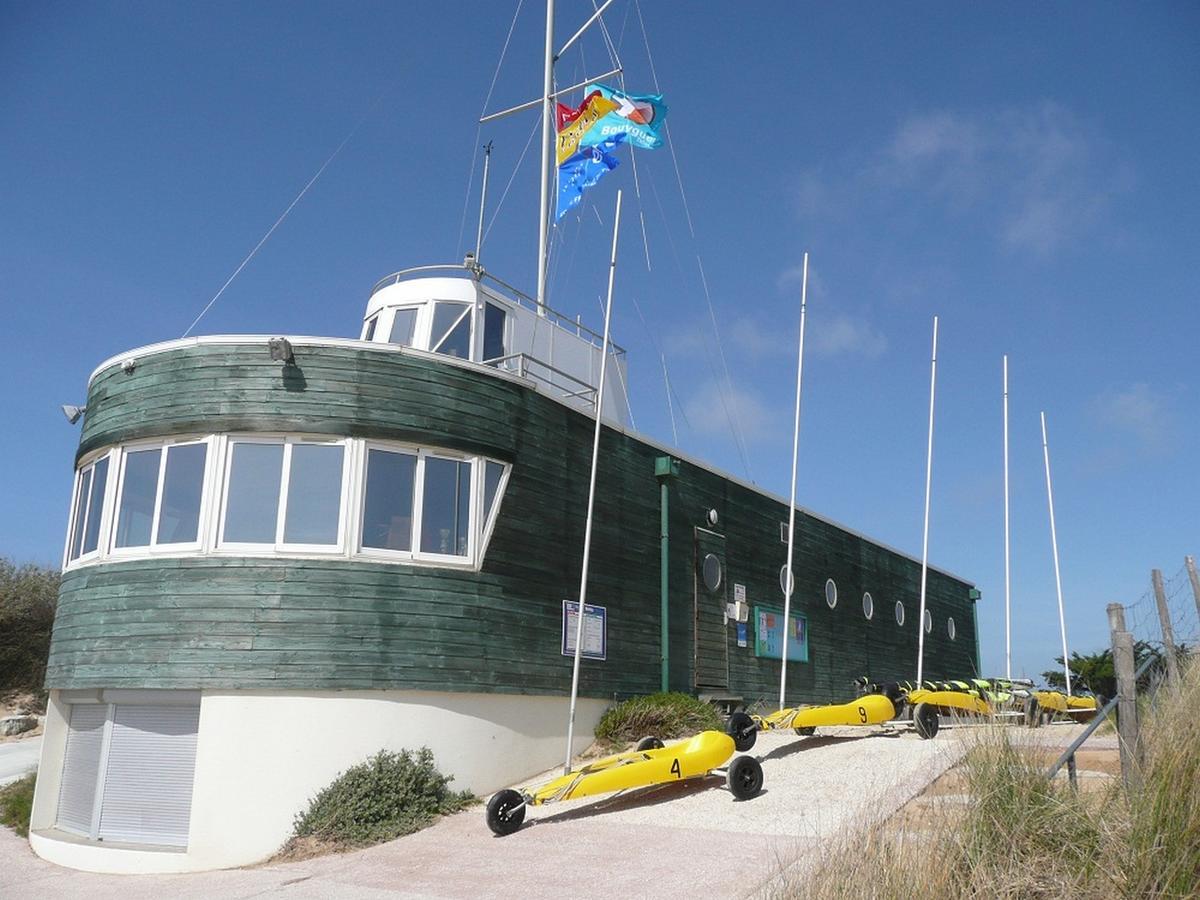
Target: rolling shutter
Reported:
[(148, 779), (81, 766)]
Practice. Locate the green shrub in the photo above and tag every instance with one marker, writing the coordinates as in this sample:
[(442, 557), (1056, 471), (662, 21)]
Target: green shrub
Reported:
[(28, 597), (386, 797), (664, 716), (16, 804)]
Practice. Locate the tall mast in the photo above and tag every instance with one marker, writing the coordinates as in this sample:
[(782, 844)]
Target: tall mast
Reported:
[(1062, 624), (1007, 580), (925, 540), (546, 171), (789, 584)]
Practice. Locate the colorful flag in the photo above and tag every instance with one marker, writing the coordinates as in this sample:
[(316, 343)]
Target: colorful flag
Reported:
[(584, 169), (637, 116), (574, 124)]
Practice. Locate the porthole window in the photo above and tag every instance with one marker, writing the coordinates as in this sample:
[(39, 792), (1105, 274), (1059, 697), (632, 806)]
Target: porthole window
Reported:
[(950, 630), (928, 622), (868, 605), (711, 571), (830, 593), (786, 583), (899, 613)]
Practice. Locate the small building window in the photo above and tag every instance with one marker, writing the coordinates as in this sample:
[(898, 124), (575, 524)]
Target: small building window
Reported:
[(369, 334), (88, 509), (710, 571), (446, 507), (787, 580), (830, 593), (783, 532), (451, 332), (404, 323), (950, 629), (493, 332), (388, 505), (928, 620), (492, 473), (899, 613), (868, 605)]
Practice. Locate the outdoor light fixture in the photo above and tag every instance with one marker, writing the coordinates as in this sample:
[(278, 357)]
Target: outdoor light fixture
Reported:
[(281, 350), (73, 412)]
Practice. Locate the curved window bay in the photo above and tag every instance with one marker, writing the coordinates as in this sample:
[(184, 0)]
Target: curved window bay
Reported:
[(265, 495)]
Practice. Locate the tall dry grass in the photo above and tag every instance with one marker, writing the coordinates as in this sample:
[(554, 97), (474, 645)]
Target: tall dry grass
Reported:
[(1010, 833)]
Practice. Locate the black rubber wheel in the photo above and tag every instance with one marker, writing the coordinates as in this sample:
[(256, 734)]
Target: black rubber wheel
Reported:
[(745, 777), (649, 743), (806, 730), (925, 720), (1033, 715), (743, 730), (505, 812)]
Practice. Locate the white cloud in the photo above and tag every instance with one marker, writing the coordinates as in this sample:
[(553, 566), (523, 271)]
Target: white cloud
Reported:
[(847, 334), (1038, 177), (1138, 411), (713, 406)]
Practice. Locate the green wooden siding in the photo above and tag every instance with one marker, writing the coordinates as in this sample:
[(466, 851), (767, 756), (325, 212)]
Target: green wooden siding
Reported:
[(334, 623)]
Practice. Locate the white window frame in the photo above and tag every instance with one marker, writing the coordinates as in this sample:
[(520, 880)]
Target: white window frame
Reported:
[(420, 335), (154, 548), (106, 510), (360, 492), (279, 545), (469, 310), (367, 322), (505, 335), (489, 525)]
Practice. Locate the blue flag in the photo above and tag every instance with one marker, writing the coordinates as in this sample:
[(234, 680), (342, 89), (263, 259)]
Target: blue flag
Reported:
[(638, 116), (582, 170)]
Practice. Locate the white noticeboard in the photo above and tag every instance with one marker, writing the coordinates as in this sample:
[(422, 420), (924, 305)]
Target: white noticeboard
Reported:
[(595, 630)]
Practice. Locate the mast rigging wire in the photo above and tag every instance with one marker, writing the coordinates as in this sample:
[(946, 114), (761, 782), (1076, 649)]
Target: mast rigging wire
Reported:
[(462, 225), (284, 215)]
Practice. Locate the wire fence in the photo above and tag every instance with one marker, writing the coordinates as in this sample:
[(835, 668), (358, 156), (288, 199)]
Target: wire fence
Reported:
[(1142, 619)]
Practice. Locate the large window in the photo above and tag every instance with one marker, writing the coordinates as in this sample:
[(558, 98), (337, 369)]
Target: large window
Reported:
[(161, 491), (88, 512), (283, 492), (404, 324), (422, 502), (493, 332)]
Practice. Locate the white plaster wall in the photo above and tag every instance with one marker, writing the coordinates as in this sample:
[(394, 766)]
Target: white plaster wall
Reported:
[(261, 755), (54, 749)]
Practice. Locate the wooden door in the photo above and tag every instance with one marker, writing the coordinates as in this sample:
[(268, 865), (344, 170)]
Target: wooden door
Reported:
[(711, 663)]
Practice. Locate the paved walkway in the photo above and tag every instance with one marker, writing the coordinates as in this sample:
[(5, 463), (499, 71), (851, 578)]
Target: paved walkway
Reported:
[(684, 840), (19, 757)]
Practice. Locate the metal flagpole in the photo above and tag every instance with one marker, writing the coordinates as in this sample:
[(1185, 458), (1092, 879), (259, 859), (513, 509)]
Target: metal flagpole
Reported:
[(487, 158), (546, 173), (587, 532), (1007, 583), (1062, 624), (925, 540), (789, 581)]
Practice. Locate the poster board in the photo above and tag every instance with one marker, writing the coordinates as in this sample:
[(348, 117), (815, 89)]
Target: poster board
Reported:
[(595, 630), (768, 634)]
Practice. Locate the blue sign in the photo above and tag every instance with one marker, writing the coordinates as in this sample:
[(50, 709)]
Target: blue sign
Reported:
[(595, 630)]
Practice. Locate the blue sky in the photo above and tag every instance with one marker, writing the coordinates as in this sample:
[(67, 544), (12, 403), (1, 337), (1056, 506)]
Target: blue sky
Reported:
[(1026, 172)]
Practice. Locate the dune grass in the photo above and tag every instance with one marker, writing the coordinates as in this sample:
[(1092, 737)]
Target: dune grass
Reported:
[(16, 803), (663, 716), (1014, 834)]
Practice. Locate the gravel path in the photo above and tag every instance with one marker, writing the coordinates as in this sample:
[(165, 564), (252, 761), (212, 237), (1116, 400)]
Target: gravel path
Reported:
[(676, 841)]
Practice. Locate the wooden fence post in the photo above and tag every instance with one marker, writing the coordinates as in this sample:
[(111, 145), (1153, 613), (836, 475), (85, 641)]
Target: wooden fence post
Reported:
[(1127, 723), (1164, 620), (1190, 562)]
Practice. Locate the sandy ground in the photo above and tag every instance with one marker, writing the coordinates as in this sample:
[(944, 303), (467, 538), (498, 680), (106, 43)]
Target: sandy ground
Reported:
[(677, 841)]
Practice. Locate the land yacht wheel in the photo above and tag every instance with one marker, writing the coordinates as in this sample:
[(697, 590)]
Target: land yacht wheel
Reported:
[(649, 743), (743, 730), (806, 730), (925, 720), (745, 777), (505, 812)]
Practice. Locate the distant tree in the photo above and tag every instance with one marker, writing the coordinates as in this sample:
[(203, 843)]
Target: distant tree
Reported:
[(1096, 671), (28, 598)]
